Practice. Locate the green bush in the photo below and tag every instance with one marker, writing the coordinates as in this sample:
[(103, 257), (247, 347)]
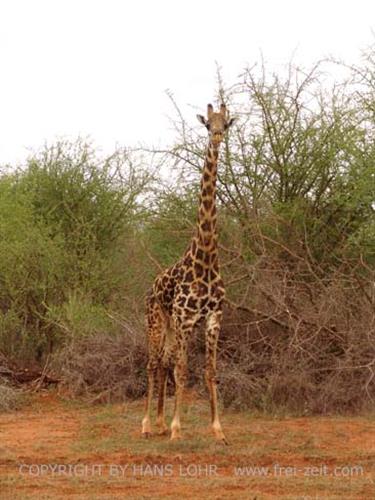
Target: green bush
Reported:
[(62, 219)]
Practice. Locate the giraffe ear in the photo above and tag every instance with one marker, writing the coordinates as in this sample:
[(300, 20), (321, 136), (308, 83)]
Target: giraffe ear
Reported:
[(230, 122), (202, 119)]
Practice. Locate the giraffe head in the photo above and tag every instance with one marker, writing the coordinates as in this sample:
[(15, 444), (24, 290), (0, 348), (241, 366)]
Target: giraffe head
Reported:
[(216, 123)]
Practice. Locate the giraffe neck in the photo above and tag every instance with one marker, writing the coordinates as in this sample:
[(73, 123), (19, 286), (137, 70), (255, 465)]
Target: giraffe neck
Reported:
[(206, 229)]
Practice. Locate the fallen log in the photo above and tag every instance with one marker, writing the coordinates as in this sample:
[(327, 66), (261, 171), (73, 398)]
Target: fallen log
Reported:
[(27, 376)]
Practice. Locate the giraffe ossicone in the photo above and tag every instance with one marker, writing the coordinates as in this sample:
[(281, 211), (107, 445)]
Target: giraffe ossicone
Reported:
[(189, 291)]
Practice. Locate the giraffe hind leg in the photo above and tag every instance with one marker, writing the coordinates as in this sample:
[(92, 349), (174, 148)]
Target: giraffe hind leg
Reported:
[(156, 338), (146, 422), (167, 361), (160, 420)]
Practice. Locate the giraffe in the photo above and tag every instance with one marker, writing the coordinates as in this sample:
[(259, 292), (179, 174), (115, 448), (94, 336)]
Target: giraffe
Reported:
[(189, 291)]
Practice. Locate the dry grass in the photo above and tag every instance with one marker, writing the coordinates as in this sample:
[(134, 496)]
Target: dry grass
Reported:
[(285, 458), (10, 397)]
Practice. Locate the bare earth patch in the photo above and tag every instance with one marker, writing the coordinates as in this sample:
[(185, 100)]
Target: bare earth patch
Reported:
[(56, 449)]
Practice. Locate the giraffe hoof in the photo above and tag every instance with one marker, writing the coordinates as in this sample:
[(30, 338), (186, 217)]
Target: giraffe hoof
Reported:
[(175, 438), (146, 435), (222, 440), (162, 432)]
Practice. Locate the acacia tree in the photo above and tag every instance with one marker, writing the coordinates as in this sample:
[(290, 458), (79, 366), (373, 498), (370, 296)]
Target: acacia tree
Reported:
[(301, 155), (296, 189), (63, 222)]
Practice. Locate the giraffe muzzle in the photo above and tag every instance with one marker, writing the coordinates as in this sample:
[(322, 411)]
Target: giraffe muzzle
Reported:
[(217, 138)]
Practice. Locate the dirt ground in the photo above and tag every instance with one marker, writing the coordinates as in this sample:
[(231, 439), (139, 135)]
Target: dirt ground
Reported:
[(54, 449)]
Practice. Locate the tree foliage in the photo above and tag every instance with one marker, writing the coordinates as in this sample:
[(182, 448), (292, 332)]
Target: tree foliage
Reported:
[(62, 219), (82, 238)]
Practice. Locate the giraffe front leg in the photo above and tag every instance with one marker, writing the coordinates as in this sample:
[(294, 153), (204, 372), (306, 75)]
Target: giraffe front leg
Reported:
[(212, 336), (180, 379)]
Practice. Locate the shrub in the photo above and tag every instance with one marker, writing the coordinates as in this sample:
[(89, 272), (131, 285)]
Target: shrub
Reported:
[(10, 398), (104, 368), (62, 221)]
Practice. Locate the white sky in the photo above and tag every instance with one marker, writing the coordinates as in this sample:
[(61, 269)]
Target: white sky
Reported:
[(100, 68)]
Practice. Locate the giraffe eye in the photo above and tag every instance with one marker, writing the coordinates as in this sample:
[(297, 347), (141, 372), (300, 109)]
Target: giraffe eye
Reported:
[(208, 126)]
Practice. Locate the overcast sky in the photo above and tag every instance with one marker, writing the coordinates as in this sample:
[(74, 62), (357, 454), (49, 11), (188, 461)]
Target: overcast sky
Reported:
[(100, 68)]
